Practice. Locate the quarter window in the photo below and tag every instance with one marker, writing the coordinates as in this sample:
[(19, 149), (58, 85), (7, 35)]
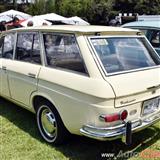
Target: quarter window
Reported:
[(62, 51), (28, 47)]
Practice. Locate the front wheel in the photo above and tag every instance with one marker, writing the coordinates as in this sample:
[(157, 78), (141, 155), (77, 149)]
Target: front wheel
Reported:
[(50, 124)]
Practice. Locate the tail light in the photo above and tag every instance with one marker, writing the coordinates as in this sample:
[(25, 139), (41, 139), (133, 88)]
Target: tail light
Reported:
[(114, 117)]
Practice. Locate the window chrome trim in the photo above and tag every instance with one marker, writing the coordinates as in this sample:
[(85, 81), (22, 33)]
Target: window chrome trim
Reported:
[(42, 51), (120, 36)]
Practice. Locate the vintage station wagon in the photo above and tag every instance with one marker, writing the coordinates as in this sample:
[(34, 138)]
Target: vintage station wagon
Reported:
[(96, 81)]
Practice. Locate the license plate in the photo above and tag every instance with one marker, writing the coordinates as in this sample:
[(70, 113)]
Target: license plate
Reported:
[(151, 106)]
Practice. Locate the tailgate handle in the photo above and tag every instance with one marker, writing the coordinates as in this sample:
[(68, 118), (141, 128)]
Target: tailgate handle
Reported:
[(31, 75), (153, 87)]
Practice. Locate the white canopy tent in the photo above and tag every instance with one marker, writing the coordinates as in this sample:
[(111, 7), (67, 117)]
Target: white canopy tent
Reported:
[(13, 13), (5, 18), (40, 19), (52, 17), (37, 21), (72, 20), (77, 21)]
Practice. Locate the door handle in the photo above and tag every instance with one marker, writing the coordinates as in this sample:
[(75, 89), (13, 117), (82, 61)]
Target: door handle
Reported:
[(4, 68), (31, 75)]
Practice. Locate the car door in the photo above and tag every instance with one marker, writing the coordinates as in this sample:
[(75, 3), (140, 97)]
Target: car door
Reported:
[(24, 70), (7, 49)]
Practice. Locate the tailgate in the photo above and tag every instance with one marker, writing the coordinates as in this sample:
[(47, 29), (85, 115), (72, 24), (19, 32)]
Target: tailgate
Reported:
[(136, 86)]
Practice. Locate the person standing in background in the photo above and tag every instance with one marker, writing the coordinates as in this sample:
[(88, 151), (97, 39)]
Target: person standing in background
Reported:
[(29, 24), (2, 26)]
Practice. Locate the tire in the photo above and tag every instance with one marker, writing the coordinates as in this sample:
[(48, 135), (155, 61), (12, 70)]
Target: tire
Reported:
[(50, 124)]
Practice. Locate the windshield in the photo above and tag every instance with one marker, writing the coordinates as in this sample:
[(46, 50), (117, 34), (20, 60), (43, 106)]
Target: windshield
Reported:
[(119, 54)]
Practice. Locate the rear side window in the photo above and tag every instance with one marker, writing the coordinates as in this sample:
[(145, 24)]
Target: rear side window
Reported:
[(28, 47), (7, 46), (62, 52)]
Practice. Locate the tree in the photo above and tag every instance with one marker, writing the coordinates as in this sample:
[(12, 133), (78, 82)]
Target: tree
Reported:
[(149, 7), (57, 5), (50, 6), (139, 6), (100, 11), (15, 4), (95, 11), (42, 7), (125, 6), (70, 8)]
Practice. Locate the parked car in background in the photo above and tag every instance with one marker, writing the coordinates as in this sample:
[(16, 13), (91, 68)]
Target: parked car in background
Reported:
[(100, 82), (150, 28)]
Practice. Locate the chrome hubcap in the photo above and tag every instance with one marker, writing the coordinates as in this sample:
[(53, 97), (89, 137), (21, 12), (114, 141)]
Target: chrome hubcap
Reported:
[(49, 123)]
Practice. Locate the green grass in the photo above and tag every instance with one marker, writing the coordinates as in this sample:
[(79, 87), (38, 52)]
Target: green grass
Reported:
[(20, 140)]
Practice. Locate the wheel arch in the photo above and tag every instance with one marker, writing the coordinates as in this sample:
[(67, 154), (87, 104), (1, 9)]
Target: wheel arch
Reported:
[(36, 97)]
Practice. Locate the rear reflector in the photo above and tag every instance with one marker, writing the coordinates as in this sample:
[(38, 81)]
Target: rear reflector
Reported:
[(123, 115)]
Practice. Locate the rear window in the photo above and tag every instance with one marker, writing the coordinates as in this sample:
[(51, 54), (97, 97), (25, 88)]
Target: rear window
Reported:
[(119, 54)]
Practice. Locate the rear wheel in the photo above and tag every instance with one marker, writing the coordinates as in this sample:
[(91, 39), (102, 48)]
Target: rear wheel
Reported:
[(50, 124)]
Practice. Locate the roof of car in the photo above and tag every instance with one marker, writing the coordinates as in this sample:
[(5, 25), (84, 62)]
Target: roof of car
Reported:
[(80, 29), (151, 24)]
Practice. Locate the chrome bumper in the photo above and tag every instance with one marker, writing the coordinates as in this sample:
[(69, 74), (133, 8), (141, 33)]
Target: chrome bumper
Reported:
[(110, 133)]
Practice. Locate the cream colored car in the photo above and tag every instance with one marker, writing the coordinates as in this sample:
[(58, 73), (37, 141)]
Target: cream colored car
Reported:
[(96, 81)]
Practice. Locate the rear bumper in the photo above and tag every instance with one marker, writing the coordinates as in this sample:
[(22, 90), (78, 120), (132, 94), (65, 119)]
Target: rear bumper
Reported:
[(110, 133)]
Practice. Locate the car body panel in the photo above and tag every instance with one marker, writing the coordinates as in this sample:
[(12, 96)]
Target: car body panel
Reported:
[(21, 82), (135, 92)]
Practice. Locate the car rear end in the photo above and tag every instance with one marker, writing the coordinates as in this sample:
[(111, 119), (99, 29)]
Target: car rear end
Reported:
[(132, 68)]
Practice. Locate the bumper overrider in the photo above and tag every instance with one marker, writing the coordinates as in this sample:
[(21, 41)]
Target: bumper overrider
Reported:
[(123, 130)]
